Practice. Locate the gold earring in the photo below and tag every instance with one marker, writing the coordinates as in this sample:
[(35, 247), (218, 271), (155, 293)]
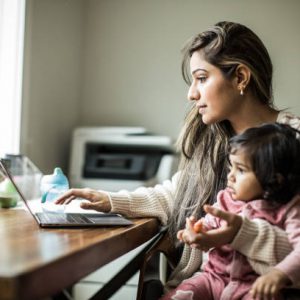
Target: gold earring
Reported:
[(242, 92)]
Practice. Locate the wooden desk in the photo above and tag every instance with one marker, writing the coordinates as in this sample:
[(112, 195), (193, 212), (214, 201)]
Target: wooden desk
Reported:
[(36, 262)]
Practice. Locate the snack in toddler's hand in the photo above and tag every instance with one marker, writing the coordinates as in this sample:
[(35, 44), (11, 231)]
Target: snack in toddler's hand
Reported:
[(198, 226)]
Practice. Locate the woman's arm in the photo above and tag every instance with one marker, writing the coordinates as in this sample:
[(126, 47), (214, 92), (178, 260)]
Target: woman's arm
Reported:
[(256, 239), (290, 265), (146, 201), (287, 272), (260, 241), (143, 202)]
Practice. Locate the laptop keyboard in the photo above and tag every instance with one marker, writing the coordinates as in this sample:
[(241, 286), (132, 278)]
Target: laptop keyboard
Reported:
[(55, 218)]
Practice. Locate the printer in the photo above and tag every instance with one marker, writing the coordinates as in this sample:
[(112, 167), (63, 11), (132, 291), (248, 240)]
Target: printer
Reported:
[(114, 158)]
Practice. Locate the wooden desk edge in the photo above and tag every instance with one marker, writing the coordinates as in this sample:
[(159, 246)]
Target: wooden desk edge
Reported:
[(39, 283)]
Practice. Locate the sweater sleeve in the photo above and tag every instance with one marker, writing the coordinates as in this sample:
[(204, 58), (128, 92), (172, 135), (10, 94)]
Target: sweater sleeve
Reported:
[(290, 265), (261, 242), (154, 201)]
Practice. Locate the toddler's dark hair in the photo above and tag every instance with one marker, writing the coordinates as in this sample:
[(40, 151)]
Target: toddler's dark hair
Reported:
[(274, 153)]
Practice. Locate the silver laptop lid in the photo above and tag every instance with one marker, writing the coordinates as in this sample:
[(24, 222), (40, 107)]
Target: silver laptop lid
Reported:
[(5, 175)]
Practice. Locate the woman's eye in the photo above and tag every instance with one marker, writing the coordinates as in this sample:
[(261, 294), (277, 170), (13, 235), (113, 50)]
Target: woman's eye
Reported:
[(202, 79)]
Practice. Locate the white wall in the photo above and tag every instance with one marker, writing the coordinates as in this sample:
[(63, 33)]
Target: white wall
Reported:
[(117, 62), (52, 80)]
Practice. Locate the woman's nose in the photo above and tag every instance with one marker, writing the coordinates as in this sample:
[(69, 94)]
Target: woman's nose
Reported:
[(193, 93)]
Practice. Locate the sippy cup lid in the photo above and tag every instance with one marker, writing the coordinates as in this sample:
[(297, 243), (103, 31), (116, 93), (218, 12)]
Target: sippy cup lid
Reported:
[(57, 178)]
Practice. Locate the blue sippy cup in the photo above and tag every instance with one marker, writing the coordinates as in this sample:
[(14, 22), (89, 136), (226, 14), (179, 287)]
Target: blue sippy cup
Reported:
[(52, 186)]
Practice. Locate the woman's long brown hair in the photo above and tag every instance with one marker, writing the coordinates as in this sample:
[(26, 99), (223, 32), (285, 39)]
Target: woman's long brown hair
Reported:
[(203, 165)]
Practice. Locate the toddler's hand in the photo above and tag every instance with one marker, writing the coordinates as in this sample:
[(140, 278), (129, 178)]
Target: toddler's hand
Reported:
[(190, 235), (197, 226), (182, 234)]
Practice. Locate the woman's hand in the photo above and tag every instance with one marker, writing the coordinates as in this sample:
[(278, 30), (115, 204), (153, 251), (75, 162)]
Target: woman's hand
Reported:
[(214, 237), (224, 234), (268, 286), (97, 200)]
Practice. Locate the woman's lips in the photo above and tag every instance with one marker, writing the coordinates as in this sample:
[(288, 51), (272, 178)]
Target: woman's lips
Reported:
[(202, 109)]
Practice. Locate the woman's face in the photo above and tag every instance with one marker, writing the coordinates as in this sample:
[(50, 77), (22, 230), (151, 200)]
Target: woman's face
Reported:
[(217, 98)]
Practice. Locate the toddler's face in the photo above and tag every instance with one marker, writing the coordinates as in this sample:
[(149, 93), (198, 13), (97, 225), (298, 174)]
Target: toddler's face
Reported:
[(241, 180)]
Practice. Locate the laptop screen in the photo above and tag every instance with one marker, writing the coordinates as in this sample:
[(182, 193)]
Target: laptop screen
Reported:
[(25, 175)]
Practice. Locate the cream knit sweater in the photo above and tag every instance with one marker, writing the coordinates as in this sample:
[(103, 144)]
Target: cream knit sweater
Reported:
[(263, 244)]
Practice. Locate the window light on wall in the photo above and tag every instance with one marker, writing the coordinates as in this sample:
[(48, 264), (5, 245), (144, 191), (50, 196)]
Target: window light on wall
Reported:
[(12, 20)]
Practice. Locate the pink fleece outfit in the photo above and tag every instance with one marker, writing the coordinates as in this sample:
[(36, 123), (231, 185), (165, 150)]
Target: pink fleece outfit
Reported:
[(228, 274)]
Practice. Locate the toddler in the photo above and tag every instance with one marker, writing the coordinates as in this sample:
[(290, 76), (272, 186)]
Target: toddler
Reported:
[(263, 182)]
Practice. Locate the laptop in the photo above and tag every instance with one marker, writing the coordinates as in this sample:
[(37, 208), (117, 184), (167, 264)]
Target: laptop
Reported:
[(66, 219)]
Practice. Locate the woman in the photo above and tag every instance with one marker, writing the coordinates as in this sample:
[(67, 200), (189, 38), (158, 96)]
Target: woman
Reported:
[(231, 90)]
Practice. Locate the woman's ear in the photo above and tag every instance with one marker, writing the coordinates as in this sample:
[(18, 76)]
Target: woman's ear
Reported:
[(243, 75)]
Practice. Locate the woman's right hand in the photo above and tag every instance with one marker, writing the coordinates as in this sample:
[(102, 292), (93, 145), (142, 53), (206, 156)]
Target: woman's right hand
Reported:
[(224, 234), (206, 240), (97, 200)]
